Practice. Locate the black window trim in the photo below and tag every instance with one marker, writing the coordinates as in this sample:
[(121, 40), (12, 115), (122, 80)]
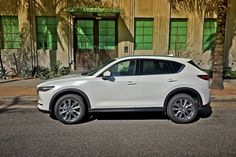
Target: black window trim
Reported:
[(139, 66)]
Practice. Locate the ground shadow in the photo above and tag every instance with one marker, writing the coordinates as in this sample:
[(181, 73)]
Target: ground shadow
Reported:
[(130, 116), (203, 113), (13, 102)]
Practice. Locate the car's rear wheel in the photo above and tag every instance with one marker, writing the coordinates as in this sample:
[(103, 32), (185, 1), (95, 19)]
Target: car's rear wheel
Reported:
[(70, 109), (182, 108)]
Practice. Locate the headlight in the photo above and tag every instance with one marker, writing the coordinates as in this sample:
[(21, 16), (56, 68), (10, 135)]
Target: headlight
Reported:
[(45, 88)]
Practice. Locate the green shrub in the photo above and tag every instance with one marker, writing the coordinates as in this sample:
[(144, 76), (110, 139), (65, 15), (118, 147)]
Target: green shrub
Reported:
[(230, 74), (64, 71), (46, 73), (41, 72)]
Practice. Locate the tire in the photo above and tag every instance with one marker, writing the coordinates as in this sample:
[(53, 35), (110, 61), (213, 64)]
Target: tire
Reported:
[(70, 109), (182, 108)]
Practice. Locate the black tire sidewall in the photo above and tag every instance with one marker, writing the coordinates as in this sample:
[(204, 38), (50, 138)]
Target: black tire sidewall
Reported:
[(70, 96), (171, 102)]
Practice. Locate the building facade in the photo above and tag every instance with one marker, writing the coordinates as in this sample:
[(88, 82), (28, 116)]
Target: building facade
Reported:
[(83, 34)]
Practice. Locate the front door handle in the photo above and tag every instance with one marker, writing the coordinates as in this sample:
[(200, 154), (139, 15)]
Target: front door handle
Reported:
[(131, 83), (172, 80)]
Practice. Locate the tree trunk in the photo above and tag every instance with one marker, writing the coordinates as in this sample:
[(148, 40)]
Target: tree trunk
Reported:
[(217, 80), (1, 46), (1, 65)]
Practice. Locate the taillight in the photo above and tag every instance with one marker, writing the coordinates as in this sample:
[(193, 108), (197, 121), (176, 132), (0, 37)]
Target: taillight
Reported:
[(204, 77)]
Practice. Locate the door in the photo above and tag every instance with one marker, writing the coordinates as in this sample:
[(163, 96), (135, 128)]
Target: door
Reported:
[(85, 53), (95, 42), (107, 40), (156, 78), (120, 91)]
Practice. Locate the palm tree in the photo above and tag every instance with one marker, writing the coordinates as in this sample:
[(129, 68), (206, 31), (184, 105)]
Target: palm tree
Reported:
[(219, 7), (217, 81)]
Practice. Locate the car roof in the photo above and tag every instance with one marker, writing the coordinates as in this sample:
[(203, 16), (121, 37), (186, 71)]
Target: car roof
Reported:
[(171, 58)]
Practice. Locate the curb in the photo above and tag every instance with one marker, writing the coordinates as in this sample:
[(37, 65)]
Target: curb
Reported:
[(13, 80), (18, 99), (223, 99), (31, 101)]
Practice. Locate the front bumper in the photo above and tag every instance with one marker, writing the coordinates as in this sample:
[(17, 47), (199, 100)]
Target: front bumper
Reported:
[(41, 109)]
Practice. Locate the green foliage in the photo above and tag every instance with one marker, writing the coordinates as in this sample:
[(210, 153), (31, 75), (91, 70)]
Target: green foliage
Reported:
[(40, 72), (55, 69), (46, 73), (229, 74), (3, 73), (64, 71)]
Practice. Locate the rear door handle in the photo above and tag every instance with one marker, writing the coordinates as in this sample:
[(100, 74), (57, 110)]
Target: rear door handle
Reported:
[(172, 80), (130, 83)]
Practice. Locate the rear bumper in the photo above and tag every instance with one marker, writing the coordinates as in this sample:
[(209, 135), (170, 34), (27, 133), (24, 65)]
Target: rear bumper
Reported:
[(205, 111), (206, 106)]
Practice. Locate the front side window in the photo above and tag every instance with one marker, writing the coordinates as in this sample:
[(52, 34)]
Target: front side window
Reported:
[(152, 67), (143, 34), (178, 34), (10, 32), (125, 68), (46, 32)]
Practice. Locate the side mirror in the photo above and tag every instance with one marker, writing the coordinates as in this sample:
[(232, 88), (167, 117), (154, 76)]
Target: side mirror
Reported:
[(106, 75)]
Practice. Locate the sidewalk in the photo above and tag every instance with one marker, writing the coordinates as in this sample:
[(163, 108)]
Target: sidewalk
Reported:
[(16, 91), (24, 91)]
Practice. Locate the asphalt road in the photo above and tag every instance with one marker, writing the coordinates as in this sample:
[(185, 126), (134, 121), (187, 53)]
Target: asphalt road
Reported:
[(27, 132)]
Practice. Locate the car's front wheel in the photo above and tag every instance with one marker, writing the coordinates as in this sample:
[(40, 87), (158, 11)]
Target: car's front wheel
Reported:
[(182, 108), (70, 109)]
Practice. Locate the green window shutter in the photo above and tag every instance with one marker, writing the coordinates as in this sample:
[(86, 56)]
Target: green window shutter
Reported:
[(148, 31), (139, 31), (11, 36), (46, 32), (209, 32), (85, 35), (41, 20), (107, 34), (178, 34), (143, 34)]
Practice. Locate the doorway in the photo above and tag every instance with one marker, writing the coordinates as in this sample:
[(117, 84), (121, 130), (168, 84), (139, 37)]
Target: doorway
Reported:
[(95, 42)]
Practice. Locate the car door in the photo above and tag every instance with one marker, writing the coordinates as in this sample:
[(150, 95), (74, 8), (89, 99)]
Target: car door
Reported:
[(117, 91), (155, 78)]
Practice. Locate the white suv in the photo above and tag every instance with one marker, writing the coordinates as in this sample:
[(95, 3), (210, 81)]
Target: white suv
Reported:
[(136, 83)]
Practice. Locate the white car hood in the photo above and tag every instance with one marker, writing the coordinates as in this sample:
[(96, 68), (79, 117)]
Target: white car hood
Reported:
[(64, 80)]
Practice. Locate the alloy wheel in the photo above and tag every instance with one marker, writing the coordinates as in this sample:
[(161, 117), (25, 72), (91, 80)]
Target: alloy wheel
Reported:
[(69, 110), (183, 109)]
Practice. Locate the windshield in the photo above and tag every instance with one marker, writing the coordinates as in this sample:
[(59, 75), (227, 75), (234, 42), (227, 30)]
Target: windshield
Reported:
[(92, 72)]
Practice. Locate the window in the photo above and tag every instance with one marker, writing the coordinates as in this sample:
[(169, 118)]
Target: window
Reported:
[(152, 67), (125, 68), (46, 32), (84, 29), (178, 34), (143, 34), (209, 32), (107, 34), (10, 33)]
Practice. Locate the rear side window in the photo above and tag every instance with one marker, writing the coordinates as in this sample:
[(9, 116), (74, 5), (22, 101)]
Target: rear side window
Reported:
[(152, 67), (193, 64)]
